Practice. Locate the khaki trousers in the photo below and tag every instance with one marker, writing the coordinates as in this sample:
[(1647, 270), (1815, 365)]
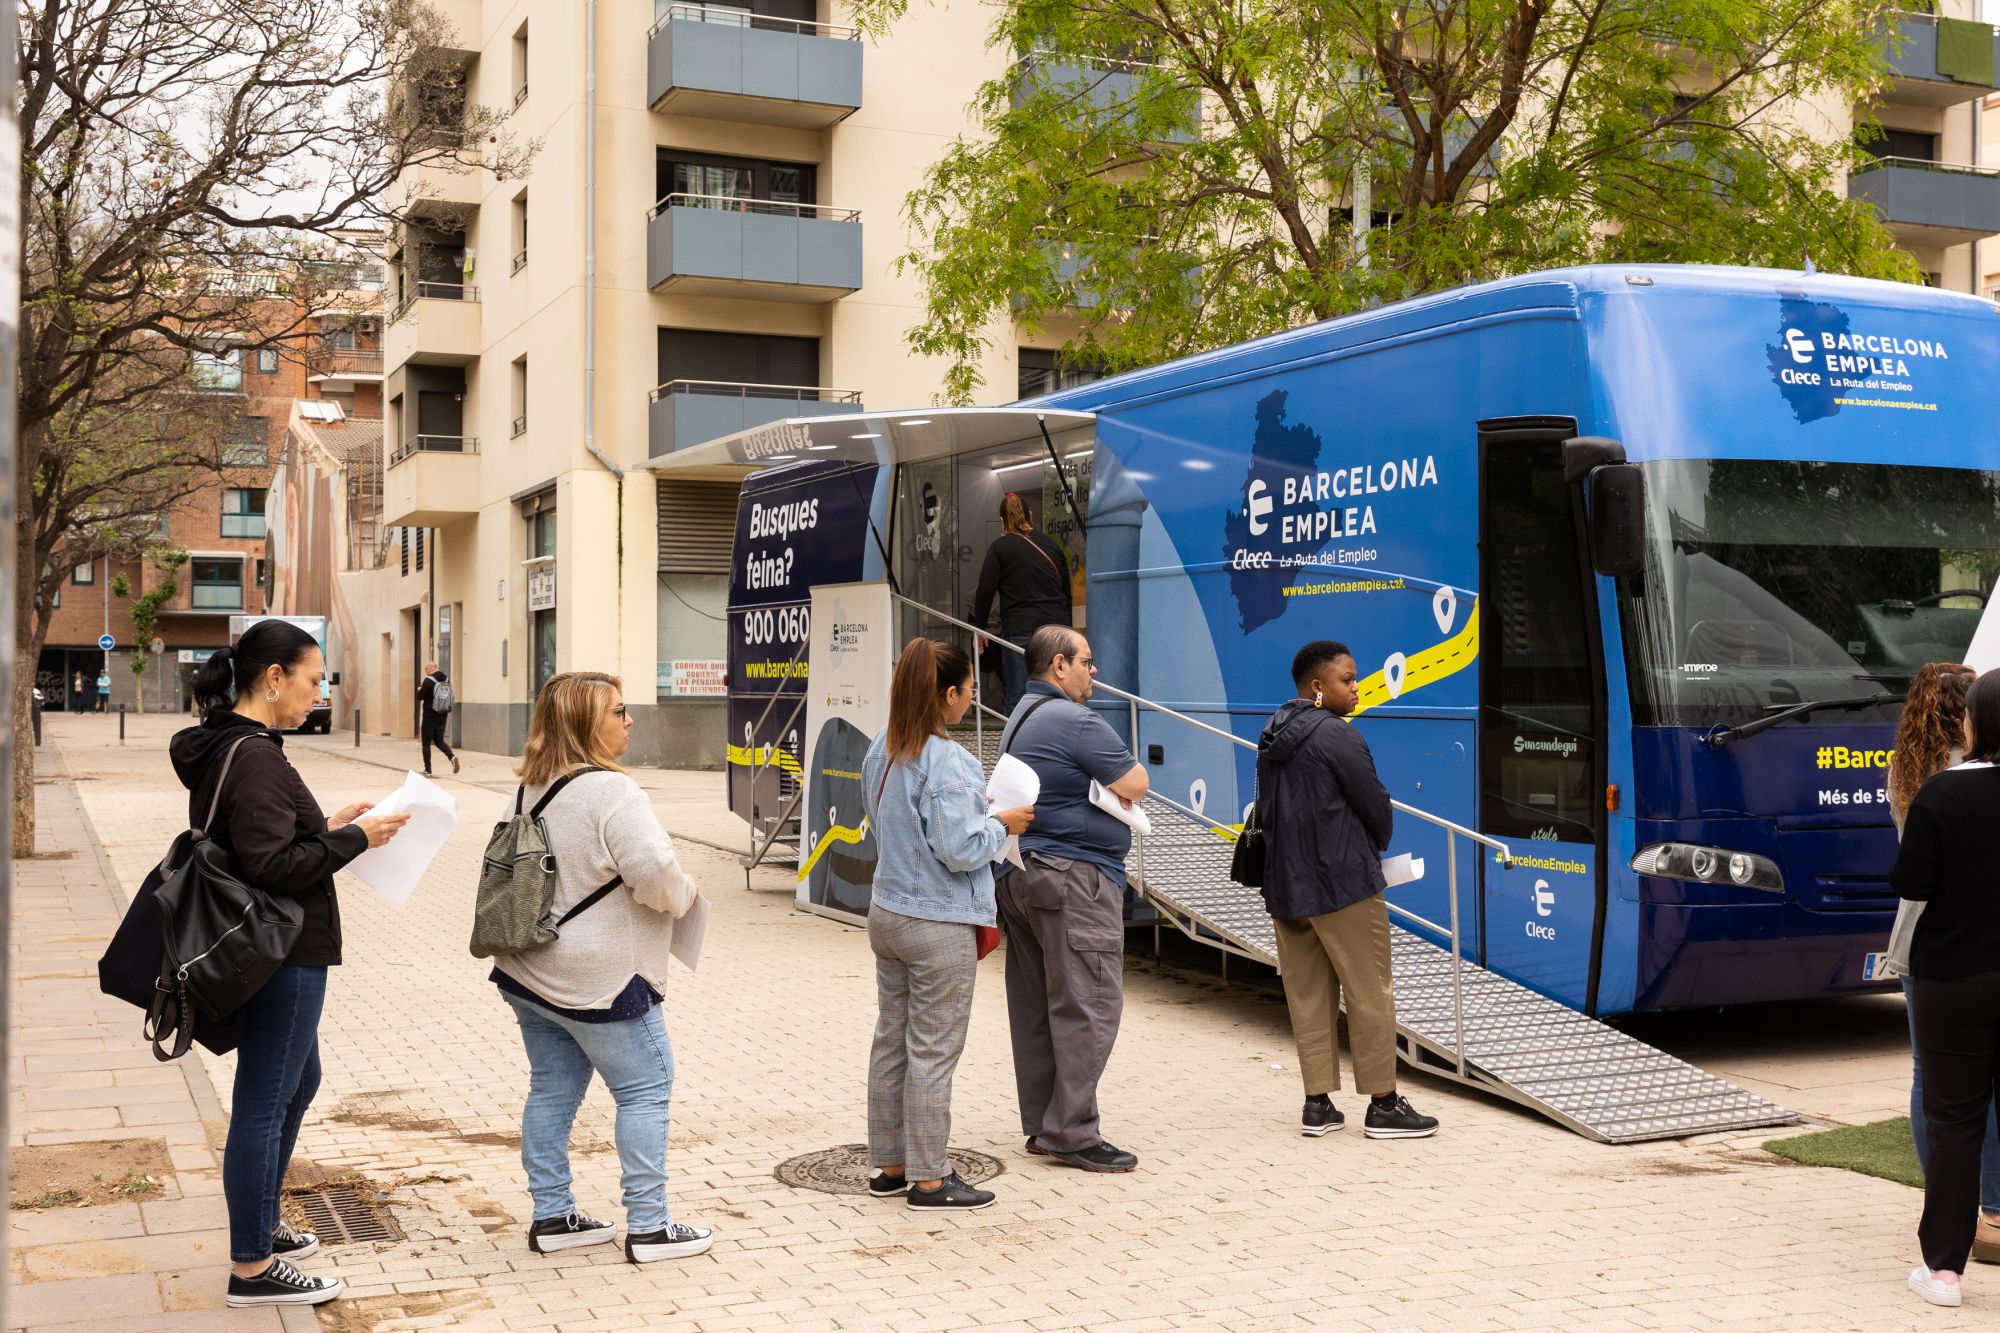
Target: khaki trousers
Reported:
[(1319, 956)]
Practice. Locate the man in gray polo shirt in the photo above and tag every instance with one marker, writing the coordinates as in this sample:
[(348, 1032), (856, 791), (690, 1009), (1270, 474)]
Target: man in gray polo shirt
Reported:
[(1065, 912)]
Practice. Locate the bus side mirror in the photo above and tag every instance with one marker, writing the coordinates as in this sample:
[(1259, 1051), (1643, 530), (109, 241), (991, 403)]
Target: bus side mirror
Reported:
[(1617, 513)]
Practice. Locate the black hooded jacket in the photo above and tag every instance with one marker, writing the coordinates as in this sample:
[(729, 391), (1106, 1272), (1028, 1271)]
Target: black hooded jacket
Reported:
[(1326, 816), (272, 826)]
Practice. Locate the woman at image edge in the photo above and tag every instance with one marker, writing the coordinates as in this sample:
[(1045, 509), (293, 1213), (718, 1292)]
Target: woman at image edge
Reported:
[(1951, 842), (589, 1000)]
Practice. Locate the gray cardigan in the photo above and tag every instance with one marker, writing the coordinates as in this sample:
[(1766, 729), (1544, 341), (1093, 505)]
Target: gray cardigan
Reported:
[(602, 825)]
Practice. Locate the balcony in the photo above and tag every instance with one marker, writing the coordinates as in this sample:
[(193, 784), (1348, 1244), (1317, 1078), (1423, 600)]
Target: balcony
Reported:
[(463, 17), (728, 64), (712, 245), (435, 322), (449, 191), (1913, 64), (1931, 203), (685, 412), (432, 482), (1106, 86), (329, 365)]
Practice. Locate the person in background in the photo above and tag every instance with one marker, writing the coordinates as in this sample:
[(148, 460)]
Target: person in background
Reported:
[(590, 1000), (1064, 912), (1327, 819), (935, 843), (104, 691), (1030, 575), (79, 695), (434, 719), (279, 841), (1951, 843)]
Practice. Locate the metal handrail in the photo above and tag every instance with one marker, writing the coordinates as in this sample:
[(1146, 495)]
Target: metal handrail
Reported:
[(804, 393), (520, 261), (734, 203), (433, 291), (762, 759), (434, 444), (1453, 830), (521, 424), (1926, 164), (737, 18)]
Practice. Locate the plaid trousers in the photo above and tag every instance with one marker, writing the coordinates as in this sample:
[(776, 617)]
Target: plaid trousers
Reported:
[(923, 980)]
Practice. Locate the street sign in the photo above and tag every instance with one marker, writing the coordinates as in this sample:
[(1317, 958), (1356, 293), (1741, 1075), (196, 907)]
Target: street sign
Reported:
[(159, 646), (106, 642)]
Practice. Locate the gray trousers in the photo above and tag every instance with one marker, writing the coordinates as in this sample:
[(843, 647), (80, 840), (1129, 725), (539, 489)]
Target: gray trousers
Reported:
[(1065, 924), (923, 986)]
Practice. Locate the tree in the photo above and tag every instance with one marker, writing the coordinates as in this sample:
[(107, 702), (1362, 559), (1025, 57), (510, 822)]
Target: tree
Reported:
[(146, 609), (183, 167), (1158, 176)]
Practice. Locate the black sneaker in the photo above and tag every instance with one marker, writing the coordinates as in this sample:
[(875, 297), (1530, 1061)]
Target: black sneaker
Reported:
[(1034, 1148), (1320, 1117), (281, 1284), (1397, 1119), (1098, 1157), (882, 1185), (289, 1244), (672, 1242), (951, 1195), (567, 1232)]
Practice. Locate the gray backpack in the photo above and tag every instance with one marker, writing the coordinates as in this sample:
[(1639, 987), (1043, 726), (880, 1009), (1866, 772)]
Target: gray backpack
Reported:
[(515, 911)]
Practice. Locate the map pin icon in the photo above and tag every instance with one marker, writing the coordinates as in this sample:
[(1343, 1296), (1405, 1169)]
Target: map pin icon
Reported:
[(1392, 675), (1444, 605), (1197, 795)]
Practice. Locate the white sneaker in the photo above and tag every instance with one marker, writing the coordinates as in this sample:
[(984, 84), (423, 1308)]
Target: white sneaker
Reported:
[(674, 1241), (1934, 1289)]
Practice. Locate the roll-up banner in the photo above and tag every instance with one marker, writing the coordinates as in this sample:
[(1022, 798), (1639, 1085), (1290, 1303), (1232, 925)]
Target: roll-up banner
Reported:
[(853, 654)]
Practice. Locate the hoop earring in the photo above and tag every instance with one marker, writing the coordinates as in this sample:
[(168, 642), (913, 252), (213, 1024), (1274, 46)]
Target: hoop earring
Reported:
[(1319, 698), (270, 696)]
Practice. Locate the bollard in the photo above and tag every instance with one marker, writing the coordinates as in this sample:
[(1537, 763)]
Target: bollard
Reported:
[(37, 708), (357, 728), (121, 724)]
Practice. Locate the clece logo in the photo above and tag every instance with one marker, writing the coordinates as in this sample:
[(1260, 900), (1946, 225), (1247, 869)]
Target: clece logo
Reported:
[(1800, 345), (1259, 497), (1545, 898)]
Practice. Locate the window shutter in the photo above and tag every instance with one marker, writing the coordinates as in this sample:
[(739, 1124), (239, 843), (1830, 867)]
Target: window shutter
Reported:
[(697, 526)]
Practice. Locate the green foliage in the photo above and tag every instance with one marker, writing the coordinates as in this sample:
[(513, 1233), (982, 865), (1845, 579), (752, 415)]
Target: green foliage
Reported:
[(1481, 137), (146, 607)]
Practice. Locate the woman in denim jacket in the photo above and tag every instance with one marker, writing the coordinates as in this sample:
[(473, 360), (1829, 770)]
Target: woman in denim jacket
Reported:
[(935, 843)]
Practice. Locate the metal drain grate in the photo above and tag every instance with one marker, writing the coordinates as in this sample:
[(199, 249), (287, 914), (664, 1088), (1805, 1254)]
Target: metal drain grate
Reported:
[(845, 1170), (340, 1216)]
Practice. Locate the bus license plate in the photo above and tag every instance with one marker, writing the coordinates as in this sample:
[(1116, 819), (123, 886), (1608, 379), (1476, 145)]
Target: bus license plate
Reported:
[(1875, 967)]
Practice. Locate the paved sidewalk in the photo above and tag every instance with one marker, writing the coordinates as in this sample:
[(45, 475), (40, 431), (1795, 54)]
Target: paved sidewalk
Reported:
[(1233, 1222)]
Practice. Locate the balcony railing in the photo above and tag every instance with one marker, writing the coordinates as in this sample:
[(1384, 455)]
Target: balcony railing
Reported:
[(738, 18), (520, 96), (217, 597), (434, 444), (1936, 203), (730, 203), (803, 393), (432, 291), (335, 362), (246, 527), (521, 425), (520, 260), (688, 412)]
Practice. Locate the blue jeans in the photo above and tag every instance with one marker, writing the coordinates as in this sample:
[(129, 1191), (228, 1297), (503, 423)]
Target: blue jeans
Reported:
[(277, 1073), (1013, 675), (637, 1064), (1989, 1154)]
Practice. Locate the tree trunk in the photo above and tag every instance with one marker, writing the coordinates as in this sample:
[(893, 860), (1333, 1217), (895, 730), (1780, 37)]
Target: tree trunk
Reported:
[(29, 631)]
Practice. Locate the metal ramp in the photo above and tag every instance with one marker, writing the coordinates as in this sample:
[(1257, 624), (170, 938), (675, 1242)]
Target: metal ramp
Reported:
[(1585, 1075)]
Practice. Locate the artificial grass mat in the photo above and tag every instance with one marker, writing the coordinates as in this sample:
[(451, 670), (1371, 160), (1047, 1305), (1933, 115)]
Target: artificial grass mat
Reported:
[(1883, 1149)]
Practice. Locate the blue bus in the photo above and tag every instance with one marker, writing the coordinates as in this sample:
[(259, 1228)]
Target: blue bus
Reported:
[(1636, 563)]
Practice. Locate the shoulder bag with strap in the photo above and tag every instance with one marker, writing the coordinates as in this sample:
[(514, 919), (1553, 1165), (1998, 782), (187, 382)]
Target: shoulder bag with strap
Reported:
[(515, 908), (1246, 862)]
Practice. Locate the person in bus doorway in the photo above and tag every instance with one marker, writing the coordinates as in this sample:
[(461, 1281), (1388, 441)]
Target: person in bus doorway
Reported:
[(935, 844), (1951, 842), (1029, 573), (1327, 820), (436, 708), (1064, 912), (1929, 739)]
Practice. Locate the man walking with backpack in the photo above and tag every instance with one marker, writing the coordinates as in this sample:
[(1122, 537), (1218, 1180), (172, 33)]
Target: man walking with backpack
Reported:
[(435, 699)]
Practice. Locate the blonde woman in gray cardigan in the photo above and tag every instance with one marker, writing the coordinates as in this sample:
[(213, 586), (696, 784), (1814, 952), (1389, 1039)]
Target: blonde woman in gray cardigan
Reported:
[(589, 1001)]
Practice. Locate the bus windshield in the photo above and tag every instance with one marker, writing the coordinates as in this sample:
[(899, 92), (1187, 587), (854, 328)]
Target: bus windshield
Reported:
[(1772, 583)]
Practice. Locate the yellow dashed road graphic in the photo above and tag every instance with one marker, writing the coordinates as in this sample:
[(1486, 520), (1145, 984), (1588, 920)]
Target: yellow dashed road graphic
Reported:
[(838, 833), (1435, 663), (747, 756)]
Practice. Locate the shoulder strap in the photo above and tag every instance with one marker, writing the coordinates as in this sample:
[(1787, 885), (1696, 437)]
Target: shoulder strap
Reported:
[(1016, 732), (1036, 547), (596, 896), (557, 786), (215, 801)]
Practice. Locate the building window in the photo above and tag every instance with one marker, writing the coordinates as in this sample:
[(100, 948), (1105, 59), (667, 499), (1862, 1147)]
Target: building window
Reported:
[(218, 584), (420, 550), (521, 65), (521, 396), (243, 443), (219, 371), (1903, 143), (267, 361), (337, 339), (737, 358), (717, 181), (403, 540), (1042, 371), (520, 231), (84, 574), (243, 512)]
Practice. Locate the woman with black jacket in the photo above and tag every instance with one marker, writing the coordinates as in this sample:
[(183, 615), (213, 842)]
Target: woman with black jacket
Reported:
[(279, 841), (1951, 845), (1030, 575)]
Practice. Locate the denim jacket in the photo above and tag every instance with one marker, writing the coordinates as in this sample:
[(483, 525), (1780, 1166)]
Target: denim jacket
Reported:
[(934, 840)]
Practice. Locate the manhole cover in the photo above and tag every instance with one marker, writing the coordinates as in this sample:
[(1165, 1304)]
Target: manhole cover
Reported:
[(844, 1170), (340, 1216)]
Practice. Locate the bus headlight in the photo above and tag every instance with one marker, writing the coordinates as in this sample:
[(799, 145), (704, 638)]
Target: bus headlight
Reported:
[(1708, 865)]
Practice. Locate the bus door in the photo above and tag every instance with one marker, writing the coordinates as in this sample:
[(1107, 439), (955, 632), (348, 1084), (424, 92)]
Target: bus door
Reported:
[(1541, 715)]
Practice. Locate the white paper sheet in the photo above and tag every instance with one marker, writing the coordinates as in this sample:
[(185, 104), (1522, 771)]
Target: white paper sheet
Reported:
[(394, 868), (1984, 652), (689, 931), (1101, 797), (1401, 869), (1013, 784)]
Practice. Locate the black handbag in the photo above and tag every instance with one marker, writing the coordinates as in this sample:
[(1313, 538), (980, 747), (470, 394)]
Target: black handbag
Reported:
[(1246, 863), (220, 938)]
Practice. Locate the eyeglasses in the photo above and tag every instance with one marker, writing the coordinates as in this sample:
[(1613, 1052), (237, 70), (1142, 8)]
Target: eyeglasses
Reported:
[(1087, 663), (618, 710)]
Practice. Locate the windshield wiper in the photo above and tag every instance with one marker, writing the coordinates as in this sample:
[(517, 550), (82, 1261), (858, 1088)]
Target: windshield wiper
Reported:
[(1719, 736)]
